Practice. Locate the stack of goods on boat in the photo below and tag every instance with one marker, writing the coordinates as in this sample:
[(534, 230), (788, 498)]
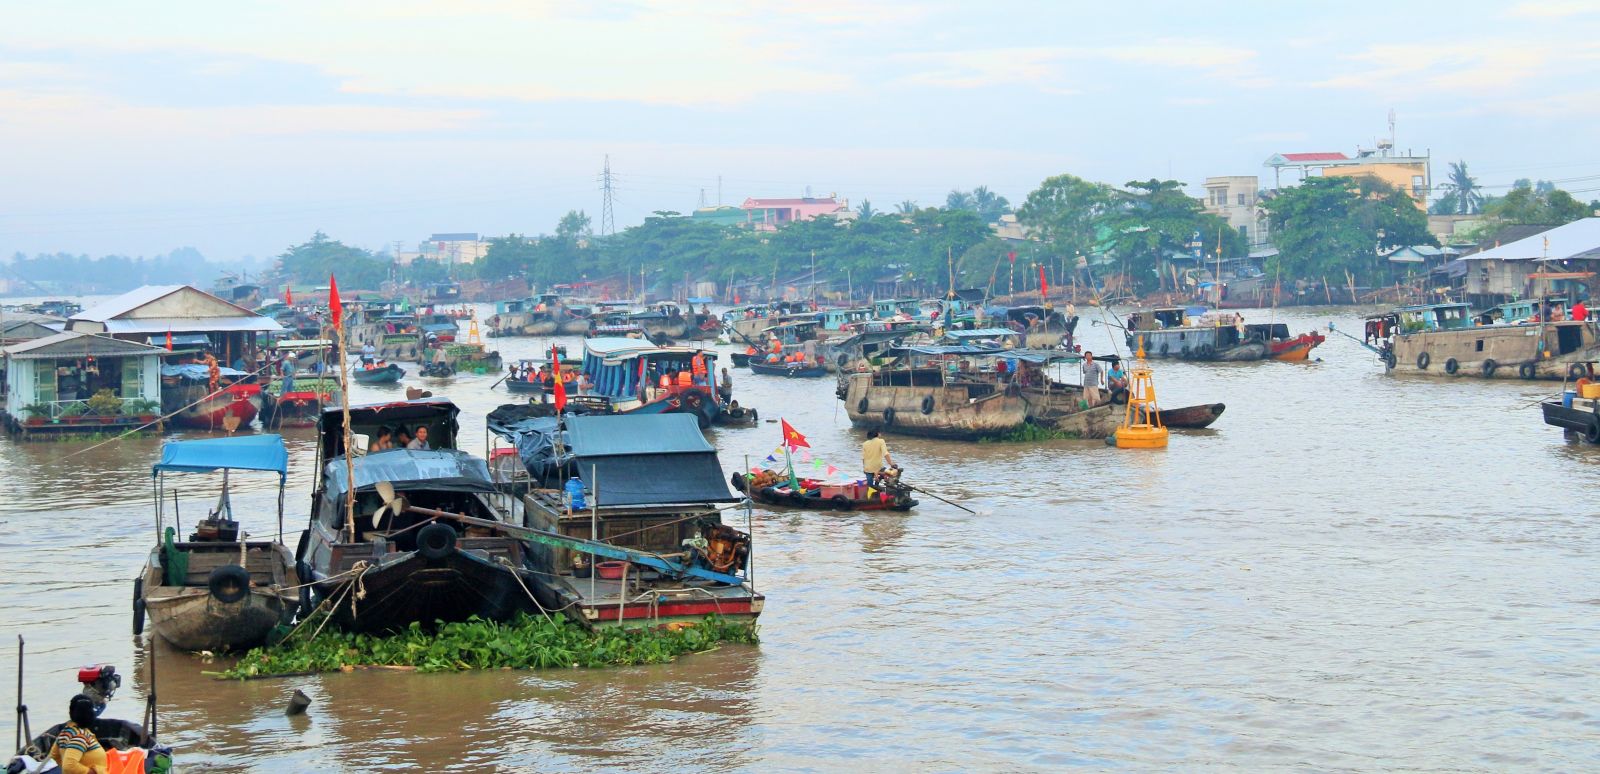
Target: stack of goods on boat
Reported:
[(1202, 335), (217, 589)]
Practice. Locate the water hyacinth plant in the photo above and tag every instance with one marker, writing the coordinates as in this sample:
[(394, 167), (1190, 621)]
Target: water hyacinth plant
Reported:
[(526, 642)]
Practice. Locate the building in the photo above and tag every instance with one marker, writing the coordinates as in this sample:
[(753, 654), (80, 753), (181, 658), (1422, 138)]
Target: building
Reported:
[(451, 249), (82, 382), (1234, 198), (724, 215), (770, 214), (1408, 173), (151, 313), (1555, 260)]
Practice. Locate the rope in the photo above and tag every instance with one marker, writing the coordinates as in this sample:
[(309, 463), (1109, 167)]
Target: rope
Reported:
[(518, 576)]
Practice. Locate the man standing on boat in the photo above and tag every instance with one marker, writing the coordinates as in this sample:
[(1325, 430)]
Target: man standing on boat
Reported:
[(875, 455), (1091, 380)]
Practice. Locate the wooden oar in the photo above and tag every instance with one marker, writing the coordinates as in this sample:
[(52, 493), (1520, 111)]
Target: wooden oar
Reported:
[(936, 497), (503, 378)]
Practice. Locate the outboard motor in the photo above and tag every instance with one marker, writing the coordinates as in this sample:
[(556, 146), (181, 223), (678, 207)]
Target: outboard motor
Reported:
[(100, 682)]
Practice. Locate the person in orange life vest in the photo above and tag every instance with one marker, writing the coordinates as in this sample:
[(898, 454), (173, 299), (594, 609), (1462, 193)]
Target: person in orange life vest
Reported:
[(750, 350), (666, 380), (685, 379)]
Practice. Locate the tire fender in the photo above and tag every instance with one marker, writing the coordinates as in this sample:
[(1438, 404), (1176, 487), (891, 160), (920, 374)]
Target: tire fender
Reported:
[(138, 606), (228, 584), (1451, 366), (1489, 367), (1578, 371), (861, 406), (888, 416), (1526, 371), (1423, 360), (840, 502), (436, 541), (927, 404)]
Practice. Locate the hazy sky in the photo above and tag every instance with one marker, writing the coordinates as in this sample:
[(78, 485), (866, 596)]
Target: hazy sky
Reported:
[(239, 128)]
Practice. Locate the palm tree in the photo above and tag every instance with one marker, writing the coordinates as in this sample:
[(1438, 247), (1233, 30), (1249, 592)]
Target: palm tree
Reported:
[(1464, 189), (865, 211), (989, 204), (959, 200), (906, 207)]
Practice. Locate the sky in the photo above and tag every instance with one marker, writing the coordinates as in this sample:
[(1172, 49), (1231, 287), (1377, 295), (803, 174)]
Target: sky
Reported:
[(241, 128)]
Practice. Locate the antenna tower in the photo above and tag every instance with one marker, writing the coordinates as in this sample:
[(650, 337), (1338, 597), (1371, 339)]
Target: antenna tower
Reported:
[(608, 225)]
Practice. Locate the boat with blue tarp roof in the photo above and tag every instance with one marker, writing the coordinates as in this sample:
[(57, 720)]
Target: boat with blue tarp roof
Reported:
[(634, 376)]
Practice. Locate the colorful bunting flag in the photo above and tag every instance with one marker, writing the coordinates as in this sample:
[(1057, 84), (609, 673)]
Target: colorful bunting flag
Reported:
[(832, 470), (771, 458)]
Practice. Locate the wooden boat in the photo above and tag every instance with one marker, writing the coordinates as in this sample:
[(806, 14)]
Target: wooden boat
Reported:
[(789, 370), (388, 373), (218, 590), (675, 558), (817, 495), (1200, 335), (735, 415), (1191, 417), (412, 568), (301, 406), (1577, 416), (128, 745), (187, 396), (911, 398), (627, 374), (664, 319), (437, 370), (1442, 340), (741, 359)]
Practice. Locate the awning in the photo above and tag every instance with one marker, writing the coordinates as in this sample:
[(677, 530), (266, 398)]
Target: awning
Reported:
[(244, 452), (442, 469), (180, 340), (660, 459), (981, 333)]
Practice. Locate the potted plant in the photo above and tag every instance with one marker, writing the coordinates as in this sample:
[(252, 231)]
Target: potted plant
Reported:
[(73, 413), (37, 413), (104, 404), (144, 408)]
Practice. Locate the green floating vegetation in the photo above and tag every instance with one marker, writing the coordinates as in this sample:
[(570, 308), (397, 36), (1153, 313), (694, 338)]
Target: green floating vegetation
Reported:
[(1030, 433), (526, 642)]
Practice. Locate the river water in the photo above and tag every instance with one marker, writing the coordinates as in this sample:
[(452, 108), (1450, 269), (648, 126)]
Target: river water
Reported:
[(1350, 571)]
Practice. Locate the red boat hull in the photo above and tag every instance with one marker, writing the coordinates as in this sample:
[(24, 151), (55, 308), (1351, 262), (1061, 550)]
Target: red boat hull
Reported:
[(1297, 348), (211, 412)]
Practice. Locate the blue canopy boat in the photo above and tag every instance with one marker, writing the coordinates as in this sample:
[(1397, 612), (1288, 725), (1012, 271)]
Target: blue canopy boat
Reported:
[(217, 590), (634, 376)]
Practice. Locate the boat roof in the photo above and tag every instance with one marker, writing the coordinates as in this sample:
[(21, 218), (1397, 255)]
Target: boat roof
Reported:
[(406, 469), (646, 459), (439, 413), (981, 333), (1037, 356), (1425, 307), (614, 348), (303, 344), (241, 452)]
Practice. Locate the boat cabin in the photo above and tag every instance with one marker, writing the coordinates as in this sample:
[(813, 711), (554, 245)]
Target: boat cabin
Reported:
[(628, 370), (839, 319), (514, 306), (1434, 317), (1550, 309), (794, 333), (1160, 317), (894, 307), (437, 414), (996, 337)]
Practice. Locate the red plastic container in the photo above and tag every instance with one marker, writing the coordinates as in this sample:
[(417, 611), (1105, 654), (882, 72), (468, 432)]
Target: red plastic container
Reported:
[(610, 570)]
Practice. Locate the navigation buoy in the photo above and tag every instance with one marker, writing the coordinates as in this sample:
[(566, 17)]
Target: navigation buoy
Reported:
[(1141, 426)]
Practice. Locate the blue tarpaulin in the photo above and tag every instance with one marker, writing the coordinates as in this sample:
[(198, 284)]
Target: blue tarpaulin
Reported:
[(646, 459), (198, 372), (244, 452), (442, 469)]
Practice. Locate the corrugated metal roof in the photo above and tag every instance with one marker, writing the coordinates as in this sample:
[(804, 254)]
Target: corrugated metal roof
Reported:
[(135, 299), (77, 344), (192, 324), (1565, 242)]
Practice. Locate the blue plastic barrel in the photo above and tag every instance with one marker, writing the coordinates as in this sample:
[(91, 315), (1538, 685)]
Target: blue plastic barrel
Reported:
[(575, 490), (1566, 398)]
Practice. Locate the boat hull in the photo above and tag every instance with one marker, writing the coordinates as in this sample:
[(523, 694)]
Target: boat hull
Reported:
[(541, 328), (411, 589), (192, 618), (791, 372), (388, 374), (574, 327), (782, 499), (1552, 351), (1580, 421), (957, 413), (1191, 417), (524, 387), (1296, 349), (196, 409)]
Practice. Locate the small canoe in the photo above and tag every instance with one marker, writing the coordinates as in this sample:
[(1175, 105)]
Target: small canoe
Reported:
[(216, 604), (740, 359), (813, 496), (788, 370), (1191, 417), (388, 374), (523, 386)]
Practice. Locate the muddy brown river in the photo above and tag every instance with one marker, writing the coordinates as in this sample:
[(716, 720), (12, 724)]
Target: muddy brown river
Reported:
[(1351, 571)]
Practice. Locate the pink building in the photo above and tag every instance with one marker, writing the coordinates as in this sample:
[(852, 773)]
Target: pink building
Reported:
[(769, 214)]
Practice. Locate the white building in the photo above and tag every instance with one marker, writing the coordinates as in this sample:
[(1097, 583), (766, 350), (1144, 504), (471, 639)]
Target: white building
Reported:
[(1233, 198)]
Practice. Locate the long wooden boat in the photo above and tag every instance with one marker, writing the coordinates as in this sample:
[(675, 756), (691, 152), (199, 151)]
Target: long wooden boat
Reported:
[(627, 375), (388, 373), (301, 406), (1191, 417), (1171, 333), (788, 370), (411, 568), (218, 590), (1578, 417), (920, 402), (817, 495), (1443, 340)]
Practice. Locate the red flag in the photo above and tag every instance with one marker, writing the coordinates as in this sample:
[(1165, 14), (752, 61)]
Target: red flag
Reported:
[(1044, 287), (560, 389), (169, 339), (792, 437), (336, 307), (1012, 255), (288, 295)]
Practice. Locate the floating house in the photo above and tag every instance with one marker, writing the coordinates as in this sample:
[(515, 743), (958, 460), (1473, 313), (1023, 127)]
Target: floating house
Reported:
[(148, 314), (81, 382)]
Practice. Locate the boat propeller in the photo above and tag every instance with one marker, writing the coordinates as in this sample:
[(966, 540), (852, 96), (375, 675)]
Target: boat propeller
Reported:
[(392, 502)]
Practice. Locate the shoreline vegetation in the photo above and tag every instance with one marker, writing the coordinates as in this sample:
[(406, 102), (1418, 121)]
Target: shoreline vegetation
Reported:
[(526, 642)]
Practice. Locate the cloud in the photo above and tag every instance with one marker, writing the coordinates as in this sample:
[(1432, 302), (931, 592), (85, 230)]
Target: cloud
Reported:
[(26, 114), (1468, 67), (1049, 67)]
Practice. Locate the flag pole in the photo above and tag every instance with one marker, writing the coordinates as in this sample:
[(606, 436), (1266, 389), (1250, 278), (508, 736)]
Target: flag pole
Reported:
[(344, 400)]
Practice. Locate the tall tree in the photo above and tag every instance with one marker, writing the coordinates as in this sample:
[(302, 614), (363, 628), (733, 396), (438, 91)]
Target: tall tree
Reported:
[(1155, 220), (314, 260), (1462, 193), (1327, 225), (989, 204), (906, 207), (959, 200), (1540, 204), (865, 211), (1066, 212)]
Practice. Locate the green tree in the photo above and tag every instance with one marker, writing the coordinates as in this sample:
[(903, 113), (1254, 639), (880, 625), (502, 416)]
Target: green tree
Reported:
[(314, 260), (989, 204), (865, 211), (1328, 225), (959, 200), (512, 255), (1066, 212), (1462, 194), (1539, 204), (906, 207), (1153, 220)]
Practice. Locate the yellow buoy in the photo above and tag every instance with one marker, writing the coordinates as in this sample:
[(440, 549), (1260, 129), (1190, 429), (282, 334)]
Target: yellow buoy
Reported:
[(1141, 426)]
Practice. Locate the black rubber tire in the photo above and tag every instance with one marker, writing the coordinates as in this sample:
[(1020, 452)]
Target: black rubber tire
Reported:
[(888, 416), (771, 494), (228, 584), (1205, 351), (1388, 360), (1423, 360), (1163, 348), (841, 360), (307, 603), (927, 404), (1578, 371), (1592, 435), (1526, 371), (1119, 397), (436, 541), (1451, 366), (138, 606), (841, 503), (736, 481), (1489, 367), (861, 406), (795, 498)]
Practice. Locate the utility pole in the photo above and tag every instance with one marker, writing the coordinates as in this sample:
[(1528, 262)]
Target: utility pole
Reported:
[(719, 190), (608, 225)]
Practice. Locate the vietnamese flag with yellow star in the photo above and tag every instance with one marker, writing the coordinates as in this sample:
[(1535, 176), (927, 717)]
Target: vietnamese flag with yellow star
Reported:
[(792, 438)]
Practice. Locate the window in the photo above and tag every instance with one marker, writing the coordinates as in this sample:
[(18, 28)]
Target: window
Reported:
[(1241, 200), (133, 377), (1244, 233), (44, 380)]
